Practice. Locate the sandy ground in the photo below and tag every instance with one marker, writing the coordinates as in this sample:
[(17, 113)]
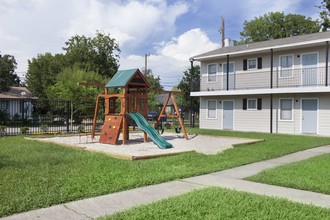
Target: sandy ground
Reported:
[(137, 149)]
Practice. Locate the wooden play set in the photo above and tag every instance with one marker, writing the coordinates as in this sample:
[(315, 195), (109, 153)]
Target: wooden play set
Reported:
[(129, 106)]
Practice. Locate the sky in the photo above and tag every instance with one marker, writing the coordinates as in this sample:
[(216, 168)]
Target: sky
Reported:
[(169, 31)]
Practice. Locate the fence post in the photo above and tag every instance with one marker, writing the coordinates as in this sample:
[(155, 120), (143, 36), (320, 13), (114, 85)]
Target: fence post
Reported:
[(67, 116)]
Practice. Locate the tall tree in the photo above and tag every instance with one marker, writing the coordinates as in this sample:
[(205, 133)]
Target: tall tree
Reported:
[(8, 76), (42, 72), (190, 82), (153, 80), (154, 83), (67, 88), (275, 25), (99, 54), (325, 14)]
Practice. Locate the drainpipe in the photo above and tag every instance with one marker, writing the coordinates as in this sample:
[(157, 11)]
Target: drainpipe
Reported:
[(326, 62), (271, 86), (227, 72)]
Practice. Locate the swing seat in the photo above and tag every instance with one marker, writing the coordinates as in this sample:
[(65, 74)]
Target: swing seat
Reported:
[(178, 130)]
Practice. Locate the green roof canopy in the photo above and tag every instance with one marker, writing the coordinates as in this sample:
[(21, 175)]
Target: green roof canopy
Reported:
[(122, 77)]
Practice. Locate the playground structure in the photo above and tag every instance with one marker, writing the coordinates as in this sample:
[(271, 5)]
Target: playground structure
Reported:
[(129, 103)]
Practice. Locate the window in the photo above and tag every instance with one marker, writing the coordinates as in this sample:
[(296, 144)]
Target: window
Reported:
[(212, 71), (286, 109), (252, 64), (4, 105), (252, 104), (286, 65), (211, 109)]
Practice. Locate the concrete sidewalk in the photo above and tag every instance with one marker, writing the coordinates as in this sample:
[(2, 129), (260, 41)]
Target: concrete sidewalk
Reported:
[(232, 178)]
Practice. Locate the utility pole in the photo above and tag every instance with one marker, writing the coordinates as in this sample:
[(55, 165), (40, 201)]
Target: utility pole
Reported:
[(146, 63), (222, 31)]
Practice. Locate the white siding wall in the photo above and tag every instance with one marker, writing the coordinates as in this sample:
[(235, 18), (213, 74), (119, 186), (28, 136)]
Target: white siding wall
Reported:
[(259, 120), (252, 120), (206, 123), (259, 77)]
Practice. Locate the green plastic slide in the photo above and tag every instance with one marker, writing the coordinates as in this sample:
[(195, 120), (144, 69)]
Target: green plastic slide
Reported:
[(153, 134)]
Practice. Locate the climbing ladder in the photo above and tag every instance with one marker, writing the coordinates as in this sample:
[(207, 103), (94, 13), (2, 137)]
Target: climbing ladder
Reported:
[(111, 129)]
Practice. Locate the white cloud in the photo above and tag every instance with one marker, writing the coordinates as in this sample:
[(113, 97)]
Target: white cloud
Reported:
[(30, 27), (172, 58), (187, 45), (132, 22)]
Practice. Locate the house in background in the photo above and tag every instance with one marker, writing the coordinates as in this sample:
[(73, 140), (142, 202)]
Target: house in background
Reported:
[(276, 86), (17, 101)]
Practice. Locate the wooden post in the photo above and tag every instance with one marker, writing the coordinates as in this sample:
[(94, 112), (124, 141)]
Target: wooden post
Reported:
[(180, 118), (145, 137), (123, 107)]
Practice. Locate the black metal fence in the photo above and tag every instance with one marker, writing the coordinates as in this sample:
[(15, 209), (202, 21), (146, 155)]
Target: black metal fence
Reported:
[(27, 116)]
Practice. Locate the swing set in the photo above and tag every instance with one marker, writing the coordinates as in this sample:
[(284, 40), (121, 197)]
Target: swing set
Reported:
[(129, 106)]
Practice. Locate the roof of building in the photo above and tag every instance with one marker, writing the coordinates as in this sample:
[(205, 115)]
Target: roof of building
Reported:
[(17, 93), (301, 40), (123, 77)]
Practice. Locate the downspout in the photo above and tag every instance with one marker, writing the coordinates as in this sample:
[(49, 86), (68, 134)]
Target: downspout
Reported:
[(271, 95), (326, 62), (227, 72)]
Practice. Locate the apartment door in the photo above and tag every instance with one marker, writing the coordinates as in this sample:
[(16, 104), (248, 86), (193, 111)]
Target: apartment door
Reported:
[(228, 115), (309, 116), (231, 78), (309, 69)]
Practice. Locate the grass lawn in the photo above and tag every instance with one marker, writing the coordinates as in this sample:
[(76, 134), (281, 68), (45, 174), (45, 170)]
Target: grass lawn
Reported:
[(218, 203), (312, 175), (35, 174)]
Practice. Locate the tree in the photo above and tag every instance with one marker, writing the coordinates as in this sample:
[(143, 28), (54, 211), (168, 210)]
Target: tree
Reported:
[(154, 83), (42, 72), (325, 14), (8, 76), (275, 25), (99, 54), (67, 88), (185, 86)]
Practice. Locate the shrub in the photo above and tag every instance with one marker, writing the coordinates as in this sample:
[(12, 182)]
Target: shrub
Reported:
[(2, 131), (81, 129), (44, 128), (25, 130)]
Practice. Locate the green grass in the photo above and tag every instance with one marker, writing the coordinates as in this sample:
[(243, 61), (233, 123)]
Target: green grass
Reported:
[(217, 203), (312, 175), (35, 174)]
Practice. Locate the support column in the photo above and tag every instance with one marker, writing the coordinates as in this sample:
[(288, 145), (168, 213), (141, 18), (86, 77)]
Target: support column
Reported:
[(271, 95), (227, 72), (191, 89), (326, 62)]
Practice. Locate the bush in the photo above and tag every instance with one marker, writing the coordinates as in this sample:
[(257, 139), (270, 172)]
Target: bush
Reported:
[(44, 128), (81, 129), (4, 117), (2, 131), (25, 130)]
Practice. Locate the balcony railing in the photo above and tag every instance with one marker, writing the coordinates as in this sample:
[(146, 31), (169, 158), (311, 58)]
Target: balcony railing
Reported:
[(284, 78)]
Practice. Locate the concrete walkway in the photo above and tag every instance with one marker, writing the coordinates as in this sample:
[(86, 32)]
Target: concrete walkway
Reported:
[(232, 178)]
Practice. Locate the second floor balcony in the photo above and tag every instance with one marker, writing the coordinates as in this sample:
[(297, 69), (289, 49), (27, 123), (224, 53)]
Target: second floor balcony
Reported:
[(280, 78)]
